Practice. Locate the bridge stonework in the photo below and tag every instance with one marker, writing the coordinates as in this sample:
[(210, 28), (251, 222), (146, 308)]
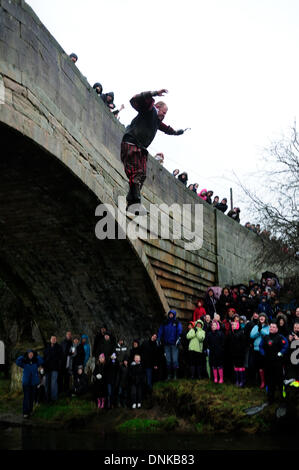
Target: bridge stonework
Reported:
[(59, 160)]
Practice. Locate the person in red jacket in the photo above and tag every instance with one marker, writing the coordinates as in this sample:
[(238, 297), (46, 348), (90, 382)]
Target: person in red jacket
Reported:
[(138, 136), (199, 311)]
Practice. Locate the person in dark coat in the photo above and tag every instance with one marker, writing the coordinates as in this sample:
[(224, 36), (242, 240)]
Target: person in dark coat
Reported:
[(66, 345), (150, 356), (210, 303), (112, 380), (80, 383), (29, 362), (100, 381), (265, 307), (183, 178), (222, 206), (282, 324), (137, 381), (106, 346), (209, 197), (169, 336), (234, 214), (225, 302), (273, 348), (136, 349), (76, 356), (98, 88), (99, 338), (243, 306), (52, 366), (237, 347), (215, 341), (139, 135), (123, 383), (121, 350)]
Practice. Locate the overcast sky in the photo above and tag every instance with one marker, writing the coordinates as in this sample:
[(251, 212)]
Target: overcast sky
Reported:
[(231, 68)]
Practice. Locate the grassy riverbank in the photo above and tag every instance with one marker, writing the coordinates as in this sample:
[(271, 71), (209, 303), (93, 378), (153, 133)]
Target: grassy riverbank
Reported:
[(176, 406)]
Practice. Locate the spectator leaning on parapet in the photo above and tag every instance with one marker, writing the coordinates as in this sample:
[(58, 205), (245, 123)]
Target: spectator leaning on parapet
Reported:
[(209, 196), (160, 157), (235, 214), (203, 194), (98, 88), (215, 201), (222, 206), (195, 187), (73, 57), (183, 178), (176, 172), (108, 99)]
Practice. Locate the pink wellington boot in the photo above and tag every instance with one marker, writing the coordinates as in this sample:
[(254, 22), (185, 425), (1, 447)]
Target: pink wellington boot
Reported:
[(215, 375), (99, 402), (103, 403), (220, 370)]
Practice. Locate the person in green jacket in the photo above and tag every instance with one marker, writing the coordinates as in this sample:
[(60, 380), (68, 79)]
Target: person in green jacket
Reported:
[(196, 336)]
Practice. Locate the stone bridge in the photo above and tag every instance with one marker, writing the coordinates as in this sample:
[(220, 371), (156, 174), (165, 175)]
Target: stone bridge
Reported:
[(59, 160)]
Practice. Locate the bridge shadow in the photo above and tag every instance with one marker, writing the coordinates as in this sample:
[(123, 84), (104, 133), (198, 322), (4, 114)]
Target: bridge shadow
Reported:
[(52, 261)]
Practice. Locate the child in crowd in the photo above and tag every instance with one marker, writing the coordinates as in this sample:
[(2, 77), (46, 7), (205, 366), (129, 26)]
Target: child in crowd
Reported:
[(100, 381), (137, 381), (199, 311), (196, 336), (123, 384), (215, 347), (80, 384), (112, 380), (237, 346)]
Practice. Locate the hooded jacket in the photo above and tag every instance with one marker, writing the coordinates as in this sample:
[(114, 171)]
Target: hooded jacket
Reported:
[(257, 334), (86, 347), (196, 337), (183, 180), (198, 313), (222, 207), (170, 332), (201, 194), (30, 368)]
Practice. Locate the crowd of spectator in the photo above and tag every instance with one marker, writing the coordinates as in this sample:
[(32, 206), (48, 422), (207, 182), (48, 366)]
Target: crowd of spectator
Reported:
[(206, 195), (240, 334)]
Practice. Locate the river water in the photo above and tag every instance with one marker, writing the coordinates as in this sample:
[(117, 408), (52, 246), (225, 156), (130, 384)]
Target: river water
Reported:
[(26, 438)]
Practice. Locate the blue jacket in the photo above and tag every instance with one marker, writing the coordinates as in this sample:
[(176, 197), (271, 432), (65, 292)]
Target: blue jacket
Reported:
[(265, 307), (257, 335), (86, 349), (30, 372), (170, 332)]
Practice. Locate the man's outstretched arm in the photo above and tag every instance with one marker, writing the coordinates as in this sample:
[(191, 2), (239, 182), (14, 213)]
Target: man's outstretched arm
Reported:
[(144, 101), (169, 130)]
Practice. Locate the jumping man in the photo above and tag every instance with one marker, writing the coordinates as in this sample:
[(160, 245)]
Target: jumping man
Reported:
[(138, 136)]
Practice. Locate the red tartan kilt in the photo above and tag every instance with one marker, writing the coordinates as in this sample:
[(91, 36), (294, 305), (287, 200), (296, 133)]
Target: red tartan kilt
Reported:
[(135, 161)]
